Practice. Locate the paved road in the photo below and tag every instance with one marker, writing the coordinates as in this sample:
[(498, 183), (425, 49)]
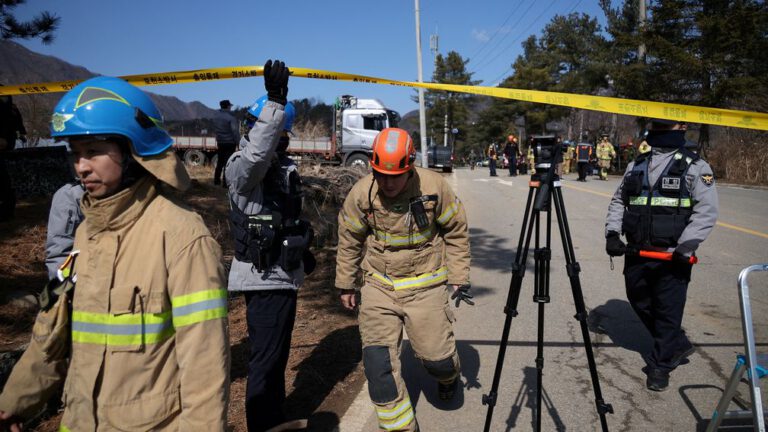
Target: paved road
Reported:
[(495, 208)]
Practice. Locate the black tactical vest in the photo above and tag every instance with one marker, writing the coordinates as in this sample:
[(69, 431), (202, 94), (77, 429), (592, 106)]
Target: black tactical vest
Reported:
[(276, 235), (656, 215)]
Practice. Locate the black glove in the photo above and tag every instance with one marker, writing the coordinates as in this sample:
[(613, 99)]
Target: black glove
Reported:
[(613, 244), (276, 81), (462, 294)]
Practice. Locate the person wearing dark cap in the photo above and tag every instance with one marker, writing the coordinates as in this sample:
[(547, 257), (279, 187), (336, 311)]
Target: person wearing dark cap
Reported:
[(666, 205), (227, 136)]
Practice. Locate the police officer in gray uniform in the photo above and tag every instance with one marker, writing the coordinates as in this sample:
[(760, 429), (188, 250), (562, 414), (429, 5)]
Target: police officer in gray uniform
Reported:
[(667, 202), (271, 245), (63, 219)]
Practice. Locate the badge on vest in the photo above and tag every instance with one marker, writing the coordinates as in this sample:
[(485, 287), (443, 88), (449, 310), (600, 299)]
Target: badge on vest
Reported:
[(708, 179), (670, 183)]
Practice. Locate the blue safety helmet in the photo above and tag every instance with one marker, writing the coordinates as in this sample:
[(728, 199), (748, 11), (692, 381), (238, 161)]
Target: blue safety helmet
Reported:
[(111, 106), (255, 110)]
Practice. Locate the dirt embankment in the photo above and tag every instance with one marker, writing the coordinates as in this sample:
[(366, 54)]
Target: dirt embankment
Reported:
[(324, 372)]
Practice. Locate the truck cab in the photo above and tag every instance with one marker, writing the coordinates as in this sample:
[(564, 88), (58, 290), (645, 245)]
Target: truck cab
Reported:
[(356, 124)]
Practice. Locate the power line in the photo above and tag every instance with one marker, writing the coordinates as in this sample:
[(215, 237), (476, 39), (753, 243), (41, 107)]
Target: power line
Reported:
[(522, 34), (509, 68), (480, 60), (486, 43)]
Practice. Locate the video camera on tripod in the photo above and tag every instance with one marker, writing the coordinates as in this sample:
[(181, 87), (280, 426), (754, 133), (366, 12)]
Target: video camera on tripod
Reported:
[(547, 150), (544, 198)]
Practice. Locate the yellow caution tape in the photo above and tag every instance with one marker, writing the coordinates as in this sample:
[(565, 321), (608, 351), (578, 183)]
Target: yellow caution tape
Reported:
[(670, 111)]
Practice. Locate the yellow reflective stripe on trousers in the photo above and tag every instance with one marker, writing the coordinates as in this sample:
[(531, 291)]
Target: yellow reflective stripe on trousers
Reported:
[(423, 280), (199, 306), (397, 417), (448, 214), (126, 329), (417, 237), (659, 201)]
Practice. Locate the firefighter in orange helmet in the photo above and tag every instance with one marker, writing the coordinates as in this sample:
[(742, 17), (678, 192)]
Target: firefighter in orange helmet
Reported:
[(407, 231)]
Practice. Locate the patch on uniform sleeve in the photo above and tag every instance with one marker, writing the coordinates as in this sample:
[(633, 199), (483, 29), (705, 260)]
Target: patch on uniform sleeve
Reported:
[(708, 179)]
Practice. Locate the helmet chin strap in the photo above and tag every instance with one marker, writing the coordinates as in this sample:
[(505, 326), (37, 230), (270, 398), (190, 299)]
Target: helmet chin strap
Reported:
[(132, 169)]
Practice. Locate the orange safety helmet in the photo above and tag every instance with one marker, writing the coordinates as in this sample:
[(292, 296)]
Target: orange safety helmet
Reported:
[(393, 152)]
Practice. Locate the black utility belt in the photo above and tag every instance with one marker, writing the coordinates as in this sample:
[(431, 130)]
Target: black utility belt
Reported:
[(269, 244)]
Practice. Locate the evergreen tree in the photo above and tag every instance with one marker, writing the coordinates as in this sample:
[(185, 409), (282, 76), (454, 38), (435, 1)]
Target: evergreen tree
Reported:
[(451, 69), (43, 25)]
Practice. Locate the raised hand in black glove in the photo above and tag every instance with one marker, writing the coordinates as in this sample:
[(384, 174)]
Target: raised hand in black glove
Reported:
[(613, 244), (461, 294), (276, 81)]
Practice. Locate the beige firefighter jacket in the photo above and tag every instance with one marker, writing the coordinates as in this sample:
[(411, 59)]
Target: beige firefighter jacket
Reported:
[(380, 236), (149, 347), (605, 151)]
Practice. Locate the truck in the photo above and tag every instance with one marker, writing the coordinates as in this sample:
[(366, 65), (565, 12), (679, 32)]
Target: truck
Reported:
[(196, 150), (356, 122), (439, 156)]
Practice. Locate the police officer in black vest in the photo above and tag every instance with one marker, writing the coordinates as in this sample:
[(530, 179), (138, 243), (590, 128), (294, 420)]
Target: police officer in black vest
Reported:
[(665, 206)]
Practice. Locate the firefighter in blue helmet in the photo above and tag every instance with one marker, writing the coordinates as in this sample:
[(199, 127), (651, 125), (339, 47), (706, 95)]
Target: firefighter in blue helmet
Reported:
[(271, 245), (138, 308), (666, 205)]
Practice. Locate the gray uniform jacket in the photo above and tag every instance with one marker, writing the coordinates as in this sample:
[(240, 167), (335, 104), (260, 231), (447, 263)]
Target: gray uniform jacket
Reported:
[(63, 220), (703, 193), (246, 170), (226, 127)]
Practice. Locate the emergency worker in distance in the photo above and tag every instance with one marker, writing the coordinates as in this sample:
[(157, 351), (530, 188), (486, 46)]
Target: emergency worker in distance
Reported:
[(135, 324), (407, 231), (666, 205), (493, 156), (605, 154), (567, 158), (583, 157), (271, 245)]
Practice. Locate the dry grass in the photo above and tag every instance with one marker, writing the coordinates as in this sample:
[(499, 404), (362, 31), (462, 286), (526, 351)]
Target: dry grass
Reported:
[(741, 157)]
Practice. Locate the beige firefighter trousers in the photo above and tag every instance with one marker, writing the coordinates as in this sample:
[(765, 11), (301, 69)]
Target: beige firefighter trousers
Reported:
[(428, 318)]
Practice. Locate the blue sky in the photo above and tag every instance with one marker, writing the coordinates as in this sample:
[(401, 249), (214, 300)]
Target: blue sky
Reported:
[(364, 37)]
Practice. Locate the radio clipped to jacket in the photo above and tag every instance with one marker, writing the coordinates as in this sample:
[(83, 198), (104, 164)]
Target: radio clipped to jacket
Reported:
[(419, 212)]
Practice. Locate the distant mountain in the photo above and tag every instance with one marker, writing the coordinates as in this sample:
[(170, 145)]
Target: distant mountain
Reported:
[(18, 65)]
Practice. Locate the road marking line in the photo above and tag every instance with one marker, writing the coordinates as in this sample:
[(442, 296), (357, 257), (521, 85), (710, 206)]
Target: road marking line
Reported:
[(722, 224), (744, 230), (603, 194)]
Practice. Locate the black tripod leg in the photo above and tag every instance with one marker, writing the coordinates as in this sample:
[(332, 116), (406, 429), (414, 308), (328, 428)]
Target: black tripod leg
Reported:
[(542, 257), (518, 272), (573, 269)]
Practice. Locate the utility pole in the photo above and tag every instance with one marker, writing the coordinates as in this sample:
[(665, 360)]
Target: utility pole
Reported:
[(422, 112), (642, 18)]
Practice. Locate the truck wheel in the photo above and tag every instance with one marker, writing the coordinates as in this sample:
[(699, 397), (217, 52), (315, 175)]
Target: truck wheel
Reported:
[(194, 158), (357, 160), (447, 169)]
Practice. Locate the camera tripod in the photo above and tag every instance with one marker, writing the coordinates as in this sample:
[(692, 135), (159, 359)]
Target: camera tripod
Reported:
[(547, 186)]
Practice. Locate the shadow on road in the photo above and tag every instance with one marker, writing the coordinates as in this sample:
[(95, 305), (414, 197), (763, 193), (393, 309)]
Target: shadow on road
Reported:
[(419, 382), (315, 380), (526, 398), (731, 425), (618, 321)]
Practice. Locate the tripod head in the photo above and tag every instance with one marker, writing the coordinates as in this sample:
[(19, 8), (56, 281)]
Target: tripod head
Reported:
[(548, 152)]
